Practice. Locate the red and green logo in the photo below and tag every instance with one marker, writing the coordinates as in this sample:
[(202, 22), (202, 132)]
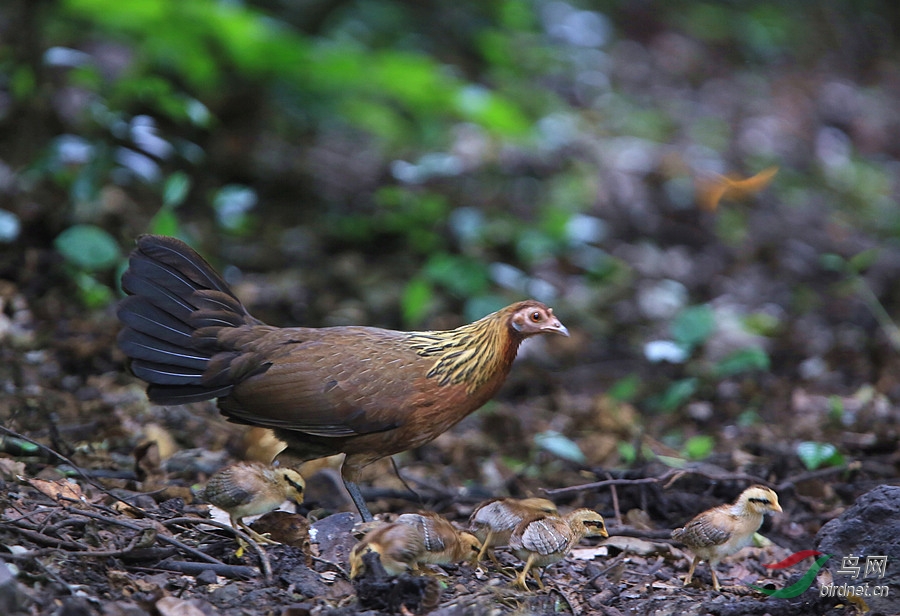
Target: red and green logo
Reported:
[(801, 585)]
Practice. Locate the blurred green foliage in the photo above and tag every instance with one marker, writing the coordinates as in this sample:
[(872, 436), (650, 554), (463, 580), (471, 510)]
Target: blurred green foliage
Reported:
[(815, 455), (88, 249)]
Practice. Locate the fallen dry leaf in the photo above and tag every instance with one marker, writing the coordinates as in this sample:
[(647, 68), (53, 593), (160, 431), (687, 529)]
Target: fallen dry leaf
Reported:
[(173, 606), (711, 190), (59, 489), (589, 553)]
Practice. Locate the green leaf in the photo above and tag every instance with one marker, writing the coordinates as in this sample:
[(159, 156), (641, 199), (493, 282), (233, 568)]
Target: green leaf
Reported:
[(492, 111), (176, 189), (761, 323), (813, 455), (693, 326), (88, 247), (834, 263), (699, 447), (22, 83), (672, 461), (625, 389), (744, 360), (560, 446), (677, 394), (416, 301), (864, 260), (164, 223), (462, 276), (92, 293), (835, 408), (627, 452)]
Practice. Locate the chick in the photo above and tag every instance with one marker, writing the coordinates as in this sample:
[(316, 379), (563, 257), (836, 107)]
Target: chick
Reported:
[(542, 540), (400, 548), (723, 530), (444, 543), (251, 488), (493, 521)]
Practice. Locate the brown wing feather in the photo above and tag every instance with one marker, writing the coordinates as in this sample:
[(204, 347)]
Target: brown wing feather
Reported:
[(702, 532), (314, 385), (544, 536)]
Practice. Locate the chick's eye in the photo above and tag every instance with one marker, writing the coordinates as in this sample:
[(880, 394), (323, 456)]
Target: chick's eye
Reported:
[(535, 317)]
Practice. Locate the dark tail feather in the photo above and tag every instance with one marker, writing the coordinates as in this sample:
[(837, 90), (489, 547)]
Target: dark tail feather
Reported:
[(173, 292)]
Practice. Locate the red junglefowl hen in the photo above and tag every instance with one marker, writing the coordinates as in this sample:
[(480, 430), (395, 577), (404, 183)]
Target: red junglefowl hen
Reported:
[(362, 391)]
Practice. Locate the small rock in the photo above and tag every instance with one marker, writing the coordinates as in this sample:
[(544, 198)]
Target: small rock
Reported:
[(225, 595), (11, 598), (301, 609), (207, 576), (334, 535)]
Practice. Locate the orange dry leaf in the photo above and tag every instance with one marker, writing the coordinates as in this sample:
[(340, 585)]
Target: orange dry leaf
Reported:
[(57, 489), (711, 190)]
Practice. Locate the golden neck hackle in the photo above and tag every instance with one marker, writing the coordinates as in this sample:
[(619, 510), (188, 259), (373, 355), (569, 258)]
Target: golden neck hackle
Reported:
[(470, 354)]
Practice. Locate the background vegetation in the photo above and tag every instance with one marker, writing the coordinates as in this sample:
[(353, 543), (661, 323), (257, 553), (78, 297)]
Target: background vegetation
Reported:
[(419, 164)]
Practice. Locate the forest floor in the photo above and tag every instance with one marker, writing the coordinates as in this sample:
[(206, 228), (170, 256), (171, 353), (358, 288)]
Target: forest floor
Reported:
[(100, 517)]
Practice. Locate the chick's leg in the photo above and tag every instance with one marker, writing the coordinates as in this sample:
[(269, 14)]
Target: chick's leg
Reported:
[(253, 534), (715, 579), (522, 578), (485, 545), (536, 574), (690, 575)]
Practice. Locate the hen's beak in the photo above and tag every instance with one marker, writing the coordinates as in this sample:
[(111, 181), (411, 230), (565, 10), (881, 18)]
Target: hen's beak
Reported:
[(555, 327)]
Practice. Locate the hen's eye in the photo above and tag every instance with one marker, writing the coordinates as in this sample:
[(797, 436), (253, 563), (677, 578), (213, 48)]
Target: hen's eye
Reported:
[(536, 317)]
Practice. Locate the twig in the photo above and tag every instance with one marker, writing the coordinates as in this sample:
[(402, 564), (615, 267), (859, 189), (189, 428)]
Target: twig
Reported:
[(194, 568), (878, 311), (75, 467), (340, 569), (265, 565), (137, 527), (817, 474), (670, 476), (612, 482), (42, 539), (615, 500), (403, 480)]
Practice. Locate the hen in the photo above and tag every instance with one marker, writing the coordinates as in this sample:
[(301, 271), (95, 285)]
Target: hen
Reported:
[(363, 391), (723, 530)]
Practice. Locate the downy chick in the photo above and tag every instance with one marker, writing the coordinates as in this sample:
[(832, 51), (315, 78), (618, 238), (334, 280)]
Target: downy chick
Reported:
[(400, 548), (546, 539), (493, 521), (723, 530), (444, 543), (250, 488)]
